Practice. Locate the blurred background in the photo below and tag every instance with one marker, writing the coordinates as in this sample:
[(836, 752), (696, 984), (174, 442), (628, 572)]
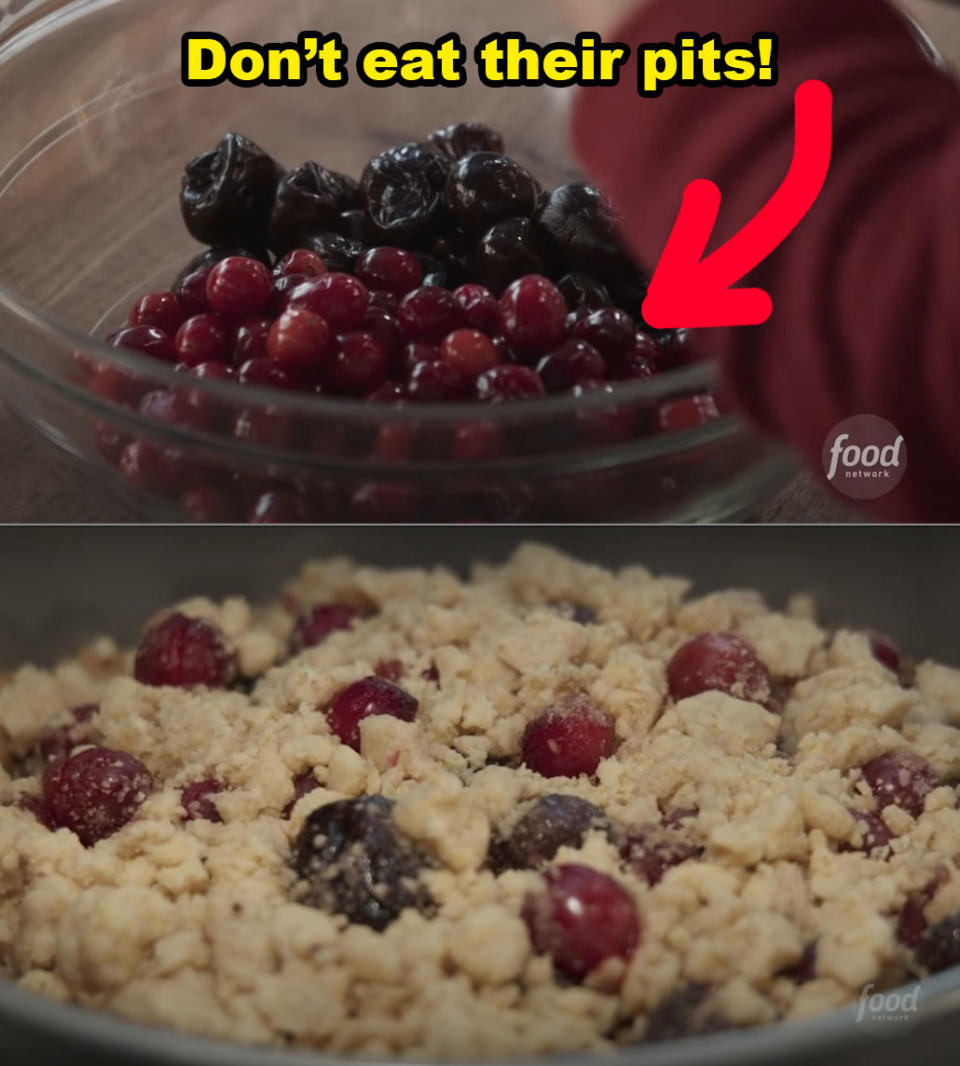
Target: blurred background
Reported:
[(61, 586)]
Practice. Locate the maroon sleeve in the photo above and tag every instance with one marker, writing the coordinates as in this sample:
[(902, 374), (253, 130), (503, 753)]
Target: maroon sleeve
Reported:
[(867, 290)]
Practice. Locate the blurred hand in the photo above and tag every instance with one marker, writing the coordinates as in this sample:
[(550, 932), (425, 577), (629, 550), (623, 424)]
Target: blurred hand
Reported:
[(600, 16)]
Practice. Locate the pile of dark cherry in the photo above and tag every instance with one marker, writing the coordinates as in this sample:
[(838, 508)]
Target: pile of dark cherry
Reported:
[(581, 917), (447, 273)]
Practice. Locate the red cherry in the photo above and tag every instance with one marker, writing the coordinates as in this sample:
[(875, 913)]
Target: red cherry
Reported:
[(470, 352), (901, 778), (568, 739), (163, 310), (339, 298), (184, 652), (313, 627), (582, 918), (533, 315), (364, 699), (390, 269), (95, 792), (718, 662), (196, 802), (238, 286)]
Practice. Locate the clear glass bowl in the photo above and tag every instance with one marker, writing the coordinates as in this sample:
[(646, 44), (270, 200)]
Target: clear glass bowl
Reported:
[(97, 126)]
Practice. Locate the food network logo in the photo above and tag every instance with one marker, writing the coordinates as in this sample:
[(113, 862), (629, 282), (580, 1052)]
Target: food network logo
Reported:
[(890, 1011), (865, 457)]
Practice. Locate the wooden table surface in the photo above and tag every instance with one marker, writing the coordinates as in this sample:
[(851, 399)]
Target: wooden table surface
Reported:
[(38, 485)]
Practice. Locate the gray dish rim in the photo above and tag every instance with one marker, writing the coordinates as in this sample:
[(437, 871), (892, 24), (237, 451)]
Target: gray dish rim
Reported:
[(91, 1030)]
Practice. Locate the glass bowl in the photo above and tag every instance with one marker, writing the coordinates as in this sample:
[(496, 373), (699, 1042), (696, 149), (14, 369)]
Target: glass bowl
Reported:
[(97, 127)]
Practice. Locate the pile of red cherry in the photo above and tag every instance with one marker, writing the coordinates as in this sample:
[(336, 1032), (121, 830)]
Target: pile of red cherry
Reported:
[(446, 274)]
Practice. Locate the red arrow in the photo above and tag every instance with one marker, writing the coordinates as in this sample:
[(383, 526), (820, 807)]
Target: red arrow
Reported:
[(690, 291)]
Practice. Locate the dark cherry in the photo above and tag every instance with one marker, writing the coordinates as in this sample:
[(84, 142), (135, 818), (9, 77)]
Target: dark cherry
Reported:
[(390, 269), (611, 331), (901, 778), (302, 262), (205, 338), (339, 298), (434, 270), (162, 310), (403, 188), (436, 382), (353, 860), (465, 138), (651, 850), (308, 201), (685, 1013), (533, 316), (196, 802), (358, 366), (485, 187), (507, 250), (429, 314), (364, 699), (58, 743), (572, 363), (689, 412), (570, 738), (227, 194), (509, 382), (356, 225), (580, 230), (146, 339), (582, 290), (719, 662), (338, 252), (549, 824), (582, 918), (184, 652), (313, 627), (480, 308), (95, 792), (239, 286), (939, 947), (470, 352)]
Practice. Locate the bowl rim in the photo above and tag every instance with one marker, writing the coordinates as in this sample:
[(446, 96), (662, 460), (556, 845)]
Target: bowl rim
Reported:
[(157, 1045), (45, 19)]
